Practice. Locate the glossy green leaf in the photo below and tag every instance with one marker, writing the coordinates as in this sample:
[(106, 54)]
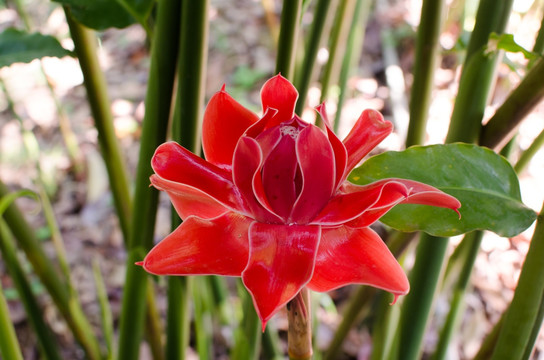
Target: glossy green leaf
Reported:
[(484, 183), (99, 14), (507, 43), (20, 46)]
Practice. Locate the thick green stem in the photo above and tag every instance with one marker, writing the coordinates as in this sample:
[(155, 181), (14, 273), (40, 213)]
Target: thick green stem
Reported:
[(287, 42), (299, 333), (471, 245), (519, 321), (502, 126), (95, 83), (56, 286), (426, 57), (416, 308), (154, 129), (312, 46), (478, 73), (193, 40)]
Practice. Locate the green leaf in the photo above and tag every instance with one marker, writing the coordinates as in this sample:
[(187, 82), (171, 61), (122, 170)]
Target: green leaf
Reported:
[(139, 9), (99, 14), (484, 183), (507, 43), (20, 46)]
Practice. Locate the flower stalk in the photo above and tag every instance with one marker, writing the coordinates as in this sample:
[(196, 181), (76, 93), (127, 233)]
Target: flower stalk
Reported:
[(299, 333), (287, 41)]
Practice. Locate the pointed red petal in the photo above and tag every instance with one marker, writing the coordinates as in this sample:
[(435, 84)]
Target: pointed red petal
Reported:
[(356, 256), (417, 193), (178, 165), (316, 162), (225, 120), (369, 130), (281, 261), (188, 200), (246, 168), (278, 93), (353, 201), (201, 247), (340, 152)]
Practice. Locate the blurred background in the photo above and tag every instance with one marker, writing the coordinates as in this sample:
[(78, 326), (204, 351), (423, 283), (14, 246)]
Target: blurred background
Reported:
[(43, 102)]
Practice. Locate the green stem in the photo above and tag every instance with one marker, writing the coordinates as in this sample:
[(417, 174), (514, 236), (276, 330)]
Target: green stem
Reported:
[(338, 38), (478, 72), (46, 341), (519, 321), (501, 127), (164, 50), (177, 325), (95, 83), (357, 306), (528, 154), (416, 307), (426, 57), (105, 310), (186, 131), (287, 41), (471, 243), (312, 46), (354, 47), (56, 286), (9, 345), (203, 318), (248, 335)]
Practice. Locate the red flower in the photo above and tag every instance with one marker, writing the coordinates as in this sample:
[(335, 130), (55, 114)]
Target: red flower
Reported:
[(271, 203)]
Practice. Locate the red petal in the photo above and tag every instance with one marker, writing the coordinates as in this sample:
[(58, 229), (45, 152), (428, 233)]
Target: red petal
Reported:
[(246, 168), (225, 120), (340, 153), (316, 162), (278, 93), (417, 193), (278, 176), (281, 261), (355, 200), (178, 165), (369, 130), (189, 201), (217, 246), (356, 256)]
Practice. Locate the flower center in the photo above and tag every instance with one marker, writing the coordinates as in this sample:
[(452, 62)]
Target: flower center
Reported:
[(289, 130)]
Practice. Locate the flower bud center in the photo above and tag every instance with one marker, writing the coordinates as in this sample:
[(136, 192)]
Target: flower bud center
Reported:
[(289, 130)]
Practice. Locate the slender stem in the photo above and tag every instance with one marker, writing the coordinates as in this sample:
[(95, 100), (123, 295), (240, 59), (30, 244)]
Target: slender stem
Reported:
[(535, 330), (299, 333), (164, 49), (177, 325), (501, 127), (105, 310), (354, 45), (519, 321), (312, 46), (287, 42), (528, 154), (9, 345), (416, 308), (95, 83), (472, 245), (338, 37), (46, 341), (247, 343), (426, 57), (153, 330), (478, 72), (57, 287)]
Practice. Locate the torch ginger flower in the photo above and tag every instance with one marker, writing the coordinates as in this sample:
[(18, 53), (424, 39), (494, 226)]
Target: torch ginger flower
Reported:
[(271, 202)]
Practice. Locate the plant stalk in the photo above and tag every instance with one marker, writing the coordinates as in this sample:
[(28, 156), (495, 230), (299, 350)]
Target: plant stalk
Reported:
[(287, 41), (299, 333)]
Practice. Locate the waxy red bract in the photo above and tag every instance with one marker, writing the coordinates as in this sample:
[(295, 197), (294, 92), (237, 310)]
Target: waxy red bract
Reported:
[(271, 203)]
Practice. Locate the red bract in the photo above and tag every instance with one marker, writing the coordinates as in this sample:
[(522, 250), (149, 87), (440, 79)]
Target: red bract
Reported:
[(271, 203)]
